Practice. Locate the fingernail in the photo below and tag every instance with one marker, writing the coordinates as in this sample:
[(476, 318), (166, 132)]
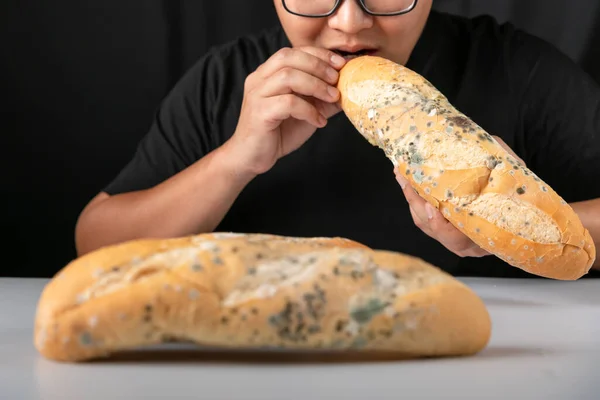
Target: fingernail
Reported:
[(332, 74), (401, 180), (322, 120), (430, 211), (333, 92), (337, 60)]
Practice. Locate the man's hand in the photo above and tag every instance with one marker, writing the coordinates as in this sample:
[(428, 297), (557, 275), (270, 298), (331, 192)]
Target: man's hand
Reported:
[(432, 222), (285, 101)]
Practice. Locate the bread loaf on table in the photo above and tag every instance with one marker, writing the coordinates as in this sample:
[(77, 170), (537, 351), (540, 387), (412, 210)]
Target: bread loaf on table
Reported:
[(251, 291), (460, 169)]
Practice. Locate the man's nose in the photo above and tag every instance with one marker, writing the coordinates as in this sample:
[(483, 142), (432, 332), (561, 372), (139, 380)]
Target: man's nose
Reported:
[(350, 17)]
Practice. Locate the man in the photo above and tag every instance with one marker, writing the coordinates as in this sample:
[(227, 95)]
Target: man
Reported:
[(252, 138)]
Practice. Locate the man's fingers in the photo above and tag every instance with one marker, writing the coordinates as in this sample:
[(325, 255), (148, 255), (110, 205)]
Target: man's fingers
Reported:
[(329, 56), (321, 63), (420, 222), (450, 236), (431, 221), (441, 225), (283, 107), (288, 80), (409, 192), (401, 179), (414, 199), (415, 202), (327, 109), (437, 222), (473, 251)]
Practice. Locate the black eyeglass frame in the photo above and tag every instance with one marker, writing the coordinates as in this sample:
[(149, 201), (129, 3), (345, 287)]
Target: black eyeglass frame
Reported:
[(360, 2)]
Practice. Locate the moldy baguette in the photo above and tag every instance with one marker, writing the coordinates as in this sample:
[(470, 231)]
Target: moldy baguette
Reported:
[(253, 290), (463, 171)]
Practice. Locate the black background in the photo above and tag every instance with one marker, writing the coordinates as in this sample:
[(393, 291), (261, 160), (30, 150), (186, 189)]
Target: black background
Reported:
[(81, 79)]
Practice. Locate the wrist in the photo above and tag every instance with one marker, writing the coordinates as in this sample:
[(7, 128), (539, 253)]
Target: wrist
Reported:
[(229, 160)]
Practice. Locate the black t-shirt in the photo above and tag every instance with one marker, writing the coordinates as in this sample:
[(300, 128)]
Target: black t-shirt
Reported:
[(512, 84)]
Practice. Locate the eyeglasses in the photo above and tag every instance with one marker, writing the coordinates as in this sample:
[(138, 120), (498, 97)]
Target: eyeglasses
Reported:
[(324, 8)]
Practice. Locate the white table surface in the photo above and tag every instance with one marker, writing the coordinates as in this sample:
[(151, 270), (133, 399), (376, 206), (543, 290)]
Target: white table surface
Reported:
[(545, 345)]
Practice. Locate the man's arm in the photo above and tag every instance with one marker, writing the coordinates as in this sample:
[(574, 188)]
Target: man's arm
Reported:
[(589, 213), (176, 182), (168, 191), (561, 120), (192, 201)]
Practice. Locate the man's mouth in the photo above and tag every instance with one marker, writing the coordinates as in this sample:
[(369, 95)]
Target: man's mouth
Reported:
[(348, 55)]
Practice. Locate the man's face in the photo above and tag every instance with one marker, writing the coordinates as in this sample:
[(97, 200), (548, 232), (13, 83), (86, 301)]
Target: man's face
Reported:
[(351, 29)]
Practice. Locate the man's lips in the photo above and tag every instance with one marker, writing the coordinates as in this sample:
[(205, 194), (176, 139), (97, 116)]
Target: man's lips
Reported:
[(352, 52)]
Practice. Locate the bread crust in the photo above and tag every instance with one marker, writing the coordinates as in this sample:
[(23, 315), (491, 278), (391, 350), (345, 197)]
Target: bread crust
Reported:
[(249, 291), (460, 169)]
